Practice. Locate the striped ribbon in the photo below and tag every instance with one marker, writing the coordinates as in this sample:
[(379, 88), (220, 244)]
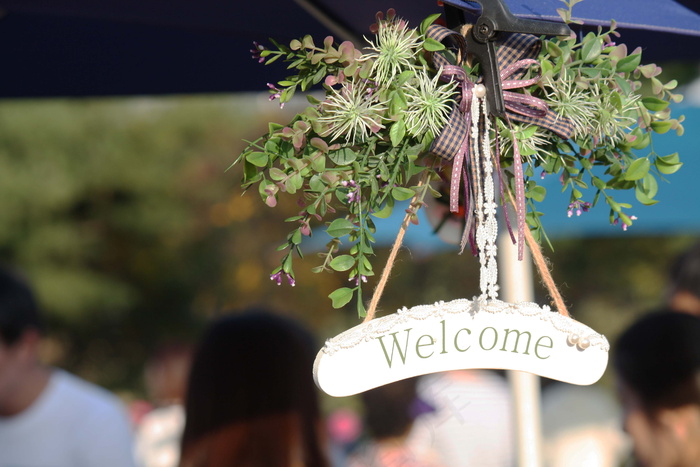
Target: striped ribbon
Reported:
[(515, 56)]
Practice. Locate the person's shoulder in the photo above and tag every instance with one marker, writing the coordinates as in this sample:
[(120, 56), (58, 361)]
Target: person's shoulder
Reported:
[(78, 392)]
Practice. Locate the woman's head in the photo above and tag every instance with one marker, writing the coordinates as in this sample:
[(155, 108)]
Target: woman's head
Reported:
[(657, 361), (388, 409), (251, 394)]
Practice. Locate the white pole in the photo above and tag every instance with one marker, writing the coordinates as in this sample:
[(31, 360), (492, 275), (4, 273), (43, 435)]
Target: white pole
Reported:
[(517, 286)]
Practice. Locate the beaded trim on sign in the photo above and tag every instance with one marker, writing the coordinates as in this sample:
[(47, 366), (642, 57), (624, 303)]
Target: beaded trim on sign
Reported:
[(578, 334)]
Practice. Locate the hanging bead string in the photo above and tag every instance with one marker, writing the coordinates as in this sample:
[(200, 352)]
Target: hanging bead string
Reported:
[(487, 226)]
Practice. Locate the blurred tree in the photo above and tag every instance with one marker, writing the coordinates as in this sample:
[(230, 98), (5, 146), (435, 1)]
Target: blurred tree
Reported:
[(123, 215)]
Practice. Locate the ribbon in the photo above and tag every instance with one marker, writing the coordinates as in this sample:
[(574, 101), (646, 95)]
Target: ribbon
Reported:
[(515, 56)]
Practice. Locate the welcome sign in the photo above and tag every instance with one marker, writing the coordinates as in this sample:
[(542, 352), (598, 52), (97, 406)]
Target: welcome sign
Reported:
[(461, 334)]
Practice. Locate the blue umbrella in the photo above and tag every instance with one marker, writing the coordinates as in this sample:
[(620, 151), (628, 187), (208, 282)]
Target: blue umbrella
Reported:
[(667, 18)]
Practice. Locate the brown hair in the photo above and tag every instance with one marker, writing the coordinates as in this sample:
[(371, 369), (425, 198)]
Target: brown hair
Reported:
[(658, 358), (251, 399)]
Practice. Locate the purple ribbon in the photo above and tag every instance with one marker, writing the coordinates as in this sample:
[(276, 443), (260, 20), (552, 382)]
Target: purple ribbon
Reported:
[(454, 141)]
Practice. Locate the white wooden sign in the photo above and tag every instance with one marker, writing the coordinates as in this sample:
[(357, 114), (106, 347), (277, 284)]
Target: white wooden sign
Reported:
[(461, 334)]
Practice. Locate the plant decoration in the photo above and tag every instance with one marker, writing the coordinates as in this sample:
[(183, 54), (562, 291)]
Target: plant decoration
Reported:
[(368, 143)]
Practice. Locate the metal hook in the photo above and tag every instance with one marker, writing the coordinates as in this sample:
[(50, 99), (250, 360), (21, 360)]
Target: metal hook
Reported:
[(494, 20)]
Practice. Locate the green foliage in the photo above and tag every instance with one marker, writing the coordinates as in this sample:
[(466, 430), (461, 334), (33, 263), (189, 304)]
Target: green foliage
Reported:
[(360, 149), (120, 214), (333, 157), (616, 104)]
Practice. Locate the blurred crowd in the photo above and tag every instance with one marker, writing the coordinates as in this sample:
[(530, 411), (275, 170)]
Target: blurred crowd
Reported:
[(244, 396)]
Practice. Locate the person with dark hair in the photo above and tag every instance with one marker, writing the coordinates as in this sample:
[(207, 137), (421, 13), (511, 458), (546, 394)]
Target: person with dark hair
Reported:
[(159, 432), (48, 416), (684, 282), (657, 361), (251, 398), (390, 412)]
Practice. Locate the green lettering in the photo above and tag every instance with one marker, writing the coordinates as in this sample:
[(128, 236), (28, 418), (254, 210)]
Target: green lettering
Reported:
[(395, 345), (457, 335), (537, 344), (517, 340), (419, 345), (444, 340), (495, 338)]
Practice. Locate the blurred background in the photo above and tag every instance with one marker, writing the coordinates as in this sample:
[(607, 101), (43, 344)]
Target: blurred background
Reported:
[(123, 214)]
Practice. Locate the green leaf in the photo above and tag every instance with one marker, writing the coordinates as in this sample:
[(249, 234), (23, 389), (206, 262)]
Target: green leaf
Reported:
[(427, 22), (637, 169), (625, 218), (277, 174), (552, 48), (671, 159), (401, 194), (398, 102), (342, 263), (386, 210), (341, 297), (397, 132), (661, 127), (340, 228), (654, 104), (667, 169), (403, 77), (623, 84), (343, 156), (318, 164), (613, 205), (591, 48), (644, 199), (431, 45), (537, 193), (598, 183), (649, 185), (643, 140), (629, 63), (287, 263), (258, 159), (273, 127)]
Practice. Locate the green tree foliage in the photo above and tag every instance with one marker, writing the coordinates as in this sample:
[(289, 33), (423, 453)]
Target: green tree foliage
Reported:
[(124, 217)]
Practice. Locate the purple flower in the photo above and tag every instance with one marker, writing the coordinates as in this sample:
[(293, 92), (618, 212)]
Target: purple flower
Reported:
[(625, 226), (353, 192), (578, 206), (277, 277), (256, 52), (291, 280), (277, 93), (359, 278)]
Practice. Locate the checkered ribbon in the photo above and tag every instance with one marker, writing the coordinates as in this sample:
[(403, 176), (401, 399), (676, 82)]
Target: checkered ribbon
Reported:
[(515, 56)]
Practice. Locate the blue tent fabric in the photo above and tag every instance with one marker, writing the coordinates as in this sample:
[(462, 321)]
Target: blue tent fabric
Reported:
[(128, 47), (650, 15)]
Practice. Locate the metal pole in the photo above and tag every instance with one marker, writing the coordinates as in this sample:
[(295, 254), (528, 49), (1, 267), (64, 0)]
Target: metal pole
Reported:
[(515, 278)]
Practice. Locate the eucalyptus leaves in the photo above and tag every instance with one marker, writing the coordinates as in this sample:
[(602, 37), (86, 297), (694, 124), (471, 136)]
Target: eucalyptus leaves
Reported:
[(351, 156)]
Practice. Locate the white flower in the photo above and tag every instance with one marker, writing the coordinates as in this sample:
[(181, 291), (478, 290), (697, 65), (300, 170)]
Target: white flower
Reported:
[(429, 104), (353, 112), (569, 100), (395, 50)]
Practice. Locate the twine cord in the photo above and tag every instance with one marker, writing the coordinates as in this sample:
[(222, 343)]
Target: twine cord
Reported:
[(542, 267), (416, 203)]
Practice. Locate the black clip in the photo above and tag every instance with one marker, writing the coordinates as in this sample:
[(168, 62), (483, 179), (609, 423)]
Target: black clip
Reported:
[(494, 20)]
